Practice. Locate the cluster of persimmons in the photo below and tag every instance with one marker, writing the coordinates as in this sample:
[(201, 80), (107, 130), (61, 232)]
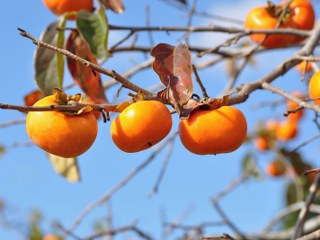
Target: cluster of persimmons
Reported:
[(299, 14), (274, 131), (143, 124), (139, 125)]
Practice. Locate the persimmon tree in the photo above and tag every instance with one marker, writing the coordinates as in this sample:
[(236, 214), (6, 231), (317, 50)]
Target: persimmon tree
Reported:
[(139, 117)]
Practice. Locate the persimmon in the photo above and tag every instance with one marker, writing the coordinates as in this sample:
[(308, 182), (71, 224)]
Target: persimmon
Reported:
[(140, 126), (59, 7), (314, 87), (276, 168), (262, 143), (50, 237), (272, 125), (299, 14), (32, 97), (265, 136), (59, 133), (287, 130), (222, 130), (293, 106), (302, 14), (266, 17), (304, 67)]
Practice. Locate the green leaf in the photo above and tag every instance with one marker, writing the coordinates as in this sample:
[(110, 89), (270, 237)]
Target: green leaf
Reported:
[(94, 29), (67, 167), (49, 65), (249, 165), (2, 150), (34, 228)]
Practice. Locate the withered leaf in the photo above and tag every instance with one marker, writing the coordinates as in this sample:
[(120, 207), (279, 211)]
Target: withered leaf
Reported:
[(83, 76), (66, 167), (173, 65), (115, 5), (32, 97)]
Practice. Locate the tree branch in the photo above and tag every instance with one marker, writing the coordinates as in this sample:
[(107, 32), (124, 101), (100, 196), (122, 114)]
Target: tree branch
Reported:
[(111, 73)]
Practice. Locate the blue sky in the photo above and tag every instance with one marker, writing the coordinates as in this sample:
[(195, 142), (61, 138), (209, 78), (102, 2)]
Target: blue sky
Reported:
[(27, 180)]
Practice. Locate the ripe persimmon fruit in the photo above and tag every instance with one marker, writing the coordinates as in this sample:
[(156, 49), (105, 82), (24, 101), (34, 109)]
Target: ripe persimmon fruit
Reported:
[(59, 133), (303, 16), (59, 7), (265, 17), (50, 237), (299, 14), (140, 126), (276, 168), (265, 136), (262, 143), (314, 87), (304, 67), (222, 130), (292, 106), (272, 125), (287, 130)]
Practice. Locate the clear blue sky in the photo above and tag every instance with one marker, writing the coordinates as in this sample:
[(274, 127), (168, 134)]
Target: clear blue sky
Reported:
[(27, 180)]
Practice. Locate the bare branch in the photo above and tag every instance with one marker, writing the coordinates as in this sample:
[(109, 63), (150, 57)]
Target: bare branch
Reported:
[(312, 236), (245, 90), (11, 123), (225, 236), (164, 165), (203, 89), (226, 219), (94, 67), (120, 184), (61, 108), (213, 28), (286, 211), (298, 230), (235, 183)]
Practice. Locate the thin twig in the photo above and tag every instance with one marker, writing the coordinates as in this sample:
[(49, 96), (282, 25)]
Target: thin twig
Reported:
[(148, 21), (119, 230), (126, 83), (164, 166), (120, 184), (279, 91), (245, 90), (288, 210), (235, 183), (225, 236), (311, 236), (203, 89), (112, 49), (305, 143), (235, 76), (298, 229), (62, 108), (11, 123), (214, 28), (226, 219)]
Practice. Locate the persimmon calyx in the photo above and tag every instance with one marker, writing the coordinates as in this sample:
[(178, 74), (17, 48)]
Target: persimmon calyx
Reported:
[(277, 12), (203, 103), (61, 98)]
